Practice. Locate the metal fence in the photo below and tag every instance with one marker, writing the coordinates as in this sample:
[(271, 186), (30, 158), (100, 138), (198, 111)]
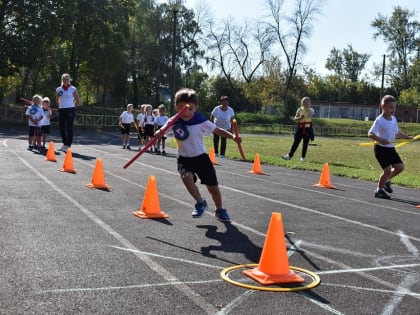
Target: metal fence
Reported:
[(346, 112), (15, 115)]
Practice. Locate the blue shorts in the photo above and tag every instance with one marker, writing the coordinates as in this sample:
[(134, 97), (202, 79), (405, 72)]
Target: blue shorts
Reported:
[(200, 166)]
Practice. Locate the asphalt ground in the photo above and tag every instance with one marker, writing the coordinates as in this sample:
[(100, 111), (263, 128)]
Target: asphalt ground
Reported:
[(69, 249)]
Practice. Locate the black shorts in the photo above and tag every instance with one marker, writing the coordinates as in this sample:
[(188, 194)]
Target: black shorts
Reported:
[(126, 128), (200, 166), (386, 156), (45, 130), (34, 131), (149, 130)]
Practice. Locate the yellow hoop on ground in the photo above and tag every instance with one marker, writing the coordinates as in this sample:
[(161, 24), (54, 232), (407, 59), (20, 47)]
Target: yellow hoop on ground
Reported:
[(316, 280)]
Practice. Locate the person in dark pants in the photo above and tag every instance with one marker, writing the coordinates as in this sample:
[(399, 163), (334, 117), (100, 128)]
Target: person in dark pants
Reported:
[(68, 99), (222, 115), (304, 129)]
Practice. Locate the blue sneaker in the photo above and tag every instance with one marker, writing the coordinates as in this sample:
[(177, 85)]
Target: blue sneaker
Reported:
[(200, 207), (222, 215)]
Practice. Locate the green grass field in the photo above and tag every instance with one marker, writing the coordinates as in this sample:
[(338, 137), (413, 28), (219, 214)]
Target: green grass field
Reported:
[(344, 156)]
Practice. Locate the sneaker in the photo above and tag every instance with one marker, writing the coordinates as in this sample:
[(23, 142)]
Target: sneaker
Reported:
[(388, 187), (200, 207), (163, 152), (128, 147), (382, 194), (123, 146), (286, 157), (30, 147), (222, 215), (222, 156), (302, 159), (63, 148)]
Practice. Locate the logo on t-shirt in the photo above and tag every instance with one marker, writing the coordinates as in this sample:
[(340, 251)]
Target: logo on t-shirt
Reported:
[(180, 131)]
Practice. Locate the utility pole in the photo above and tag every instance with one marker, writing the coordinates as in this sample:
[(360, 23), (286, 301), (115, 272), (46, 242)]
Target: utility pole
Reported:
[(382, 83), (173, 89)]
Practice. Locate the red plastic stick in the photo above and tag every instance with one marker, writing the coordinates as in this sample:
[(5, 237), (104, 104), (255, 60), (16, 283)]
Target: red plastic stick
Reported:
[(151, 142), (235, 128), (26, 100)]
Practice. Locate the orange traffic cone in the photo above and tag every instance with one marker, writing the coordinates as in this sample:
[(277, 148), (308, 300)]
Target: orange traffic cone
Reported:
[(98, 178), (212, 157), (68, 163), (150, 208), (418, 206), (273, 266), (324, 180), (256, 168), (50, 156)]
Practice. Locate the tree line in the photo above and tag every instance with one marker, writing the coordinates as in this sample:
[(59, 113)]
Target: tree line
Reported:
[(140, 51)]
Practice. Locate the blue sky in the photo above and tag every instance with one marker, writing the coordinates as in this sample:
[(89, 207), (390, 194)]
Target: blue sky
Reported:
[(342, 22)]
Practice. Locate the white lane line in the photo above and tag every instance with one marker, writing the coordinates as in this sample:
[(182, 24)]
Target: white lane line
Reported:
[(321, 192), (170, 258), (345, 286), (404, 287), (410, 247), (333, 216), (319, 303), (330, 272), (336, 250), (160, 270), (128, 287), (234, 303)]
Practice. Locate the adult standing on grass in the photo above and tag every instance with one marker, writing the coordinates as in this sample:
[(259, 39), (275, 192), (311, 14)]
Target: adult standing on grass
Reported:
[(384, 131), (304, 130), (68, 99), (222, 115)]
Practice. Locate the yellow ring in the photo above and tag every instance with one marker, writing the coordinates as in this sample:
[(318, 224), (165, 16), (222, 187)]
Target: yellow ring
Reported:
[(316, 280)]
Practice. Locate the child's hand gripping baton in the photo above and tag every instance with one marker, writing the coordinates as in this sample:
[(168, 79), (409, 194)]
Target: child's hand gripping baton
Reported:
[(401, 142), (162, 131), (407, 141), (235, 129)]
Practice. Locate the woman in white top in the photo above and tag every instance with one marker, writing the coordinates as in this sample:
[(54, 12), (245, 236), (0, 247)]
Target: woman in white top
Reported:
[(222, 115), (68, 99)]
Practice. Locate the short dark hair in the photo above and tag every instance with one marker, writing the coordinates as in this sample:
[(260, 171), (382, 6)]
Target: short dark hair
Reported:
[(186, 95)]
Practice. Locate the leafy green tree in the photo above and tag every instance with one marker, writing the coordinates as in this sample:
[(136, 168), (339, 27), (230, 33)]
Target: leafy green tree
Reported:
[(347, 63), (288, 32), (401, 33)]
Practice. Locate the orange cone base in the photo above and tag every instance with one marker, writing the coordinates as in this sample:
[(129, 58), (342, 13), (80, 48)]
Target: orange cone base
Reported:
[(104, 186), (51, 159), (67, 170), (150, 215), (257, 172), (265, 279), (325, 186)]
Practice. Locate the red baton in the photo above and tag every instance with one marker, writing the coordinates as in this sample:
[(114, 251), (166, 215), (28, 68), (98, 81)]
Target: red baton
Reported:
[(235, 128)]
